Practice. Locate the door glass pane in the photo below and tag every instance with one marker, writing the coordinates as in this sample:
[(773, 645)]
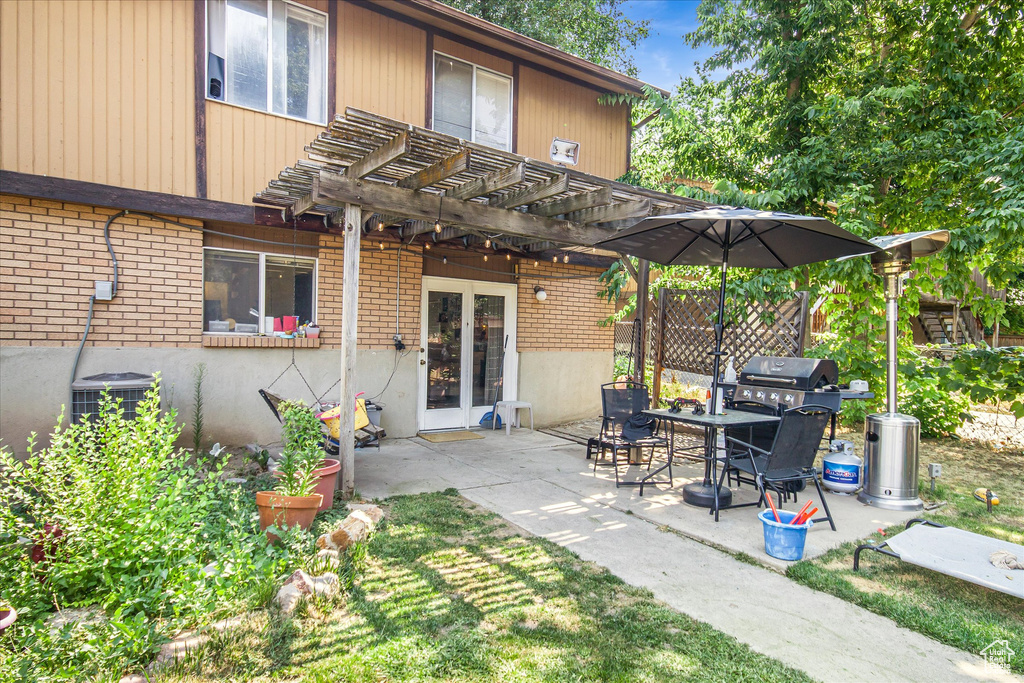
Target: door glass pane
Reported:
[(444, 350), (231, 288), (246, 35), (453, 101), (488, 340), (289, 288), (493, 95)]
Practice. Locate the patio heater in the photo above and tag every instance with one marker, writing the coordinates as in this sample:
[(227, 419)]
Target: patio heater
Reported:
[(891, 438)]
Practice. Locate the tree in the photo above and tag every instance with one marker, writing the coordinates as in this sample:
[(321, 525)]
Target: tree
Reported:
[(884, 115), (596, 30)]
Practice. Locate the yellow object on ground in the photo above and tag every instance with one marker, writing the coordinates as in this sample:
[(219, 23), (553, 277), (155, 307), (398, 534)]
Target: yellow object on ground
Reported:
[(445, 437), (979, 494), (332, 418)]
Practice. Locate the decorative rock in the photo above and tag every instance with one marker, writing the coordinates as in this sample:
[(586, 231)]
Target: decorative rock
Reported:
[(369, 509), (80, 615), (329, 557), (300, 584)]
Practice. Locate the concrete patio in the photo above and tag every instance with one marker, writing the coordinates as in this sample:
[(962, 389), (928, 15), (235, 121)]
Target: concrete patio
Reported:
[(414, 466), (545, 485)]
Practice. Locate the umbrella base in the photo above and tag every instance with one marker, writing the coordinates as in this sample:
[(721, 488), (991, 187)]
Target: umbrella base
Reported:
[(703, 495)]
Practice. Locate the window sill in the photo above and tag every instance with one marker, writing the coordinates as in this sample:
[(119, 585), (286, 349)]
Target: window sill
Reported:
[(268, 113), (237, 341)]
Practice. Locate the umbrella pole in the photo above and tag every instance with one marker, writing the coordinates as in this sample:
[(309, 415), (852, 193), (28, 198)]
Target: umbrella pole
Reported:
[(708, 493)]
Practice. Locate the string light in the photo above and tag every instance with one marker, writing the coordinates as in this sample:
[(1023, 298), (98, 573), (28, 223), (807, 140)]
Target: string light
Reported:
[(380, 226), (426, 245), (485, 257), (487, 243), (536, 263), (437, 223), (444, 260), (382, 246), (565, 259), (554, 259), (508, 257), (437, 226)]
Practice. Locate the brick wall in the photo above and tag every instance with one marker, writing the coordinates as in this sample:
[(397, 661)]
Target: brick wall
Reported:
[(52, 252), (377, 287), (568, 319)]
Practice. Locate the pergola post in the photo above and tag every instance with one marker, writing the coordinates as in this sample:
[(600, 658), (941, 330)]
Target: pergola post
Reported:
[(642, 292), (349, 327)]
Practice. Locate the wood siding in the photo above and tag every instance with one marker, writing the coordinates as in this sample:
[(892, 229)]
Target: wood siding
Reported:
[(550, 107), (381, 65), (104, 91), (99, 91), (246, 149)]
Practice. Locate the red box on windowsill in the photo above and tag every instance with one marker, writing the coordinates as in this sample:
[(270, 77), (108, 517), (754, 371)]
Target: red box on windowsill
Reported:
[(286, 323)]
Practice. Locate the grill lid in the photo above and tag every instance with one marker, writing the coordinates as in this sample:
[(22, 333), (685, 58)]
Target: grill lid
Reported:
[(805, 374)]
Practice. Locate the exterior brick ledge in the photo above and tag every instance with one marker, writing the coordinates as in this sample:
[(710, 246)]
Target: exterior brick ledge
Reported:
[(237, 341)]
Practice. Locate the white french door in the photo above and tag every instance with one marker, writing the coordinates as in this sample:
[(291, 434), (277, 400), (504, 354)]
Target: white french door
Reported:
[(464, 328)]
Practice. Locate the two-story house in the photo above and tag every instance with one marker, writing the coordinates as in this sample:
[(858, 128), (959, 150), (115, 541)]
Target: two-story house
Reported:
[(199, 159)]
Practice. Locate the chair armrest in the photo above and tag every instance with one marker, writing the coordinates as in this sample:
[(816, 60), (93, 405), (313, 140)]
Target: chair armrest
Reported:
[(747, 445)]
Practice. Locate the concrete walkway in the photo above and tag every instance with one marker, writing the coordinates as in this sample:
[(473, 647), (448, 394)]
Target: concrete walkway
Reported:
[(544, 484)]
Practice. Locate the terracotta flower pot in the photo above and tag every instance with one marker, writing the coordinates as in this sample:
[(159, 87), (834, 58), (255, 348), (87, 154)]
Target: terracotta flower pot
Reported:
[(327, 475), (326, 481), (286, 511), (8, 615)]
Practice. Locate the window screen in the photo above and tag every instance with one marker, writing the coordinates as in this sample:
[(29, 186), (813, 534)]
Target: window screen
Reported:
[(453, 97)]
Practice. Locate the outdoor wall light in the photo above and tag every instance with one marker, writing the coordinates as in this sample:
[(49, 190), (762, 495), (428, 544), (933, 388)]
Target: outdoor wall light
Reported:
[(539, 292)]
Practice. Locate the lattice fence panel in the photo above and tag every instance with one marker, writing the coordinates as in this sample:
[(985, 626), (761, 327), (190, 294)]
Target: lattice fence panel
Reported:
[(687, 336)]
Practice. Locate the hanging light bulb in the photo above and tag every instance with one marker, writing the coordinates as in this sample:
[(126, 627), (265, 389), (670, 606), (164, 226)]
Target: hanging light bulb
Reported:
[(487, 243), (380, 226), (437, 226), (508, 257), (536, 263), (426, 245), (485, 257), (444, 260), (437, 223), (554, 259), (382, 246), (565, 259)]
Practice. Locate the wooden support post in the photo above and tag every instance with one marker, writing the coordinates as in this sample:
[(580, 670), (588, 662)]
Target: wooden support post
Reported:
[(995, 335), (641, 315), (659, 348), (349, 323)]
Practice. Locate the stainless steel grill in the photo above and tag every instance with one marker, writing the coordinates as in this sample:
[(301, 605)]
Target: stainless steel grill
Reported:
[(788, 382)]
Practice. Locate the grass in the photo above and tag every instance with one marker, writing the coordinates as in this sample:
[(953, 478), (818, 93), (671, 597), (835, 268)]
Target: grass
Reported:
[(949, 610), (450, 592)]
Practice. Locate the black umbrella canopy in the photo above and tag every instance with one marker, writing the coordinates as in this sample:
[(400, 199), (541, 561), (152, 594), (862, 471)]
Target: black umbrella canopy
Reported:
[(747, 238)]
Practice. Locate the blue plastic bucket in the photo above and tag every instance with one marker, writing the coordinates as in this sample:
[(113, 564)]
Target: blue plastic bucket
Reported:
[(784, 541)]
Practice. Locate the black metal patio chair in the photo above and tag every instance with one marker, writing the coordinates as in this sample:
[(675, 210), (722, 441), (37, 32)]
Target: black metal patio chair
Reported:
[(620, 403), (789, 461)]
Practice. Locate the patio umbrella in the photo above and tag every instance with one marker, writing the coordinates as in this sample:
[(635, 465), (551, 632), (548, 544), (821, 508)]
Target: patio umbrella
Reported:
[(739, 237)]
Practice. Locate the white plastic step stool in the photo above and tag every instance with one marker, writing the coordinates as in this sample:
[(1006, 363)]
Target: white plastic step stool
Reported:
[(513, 408)]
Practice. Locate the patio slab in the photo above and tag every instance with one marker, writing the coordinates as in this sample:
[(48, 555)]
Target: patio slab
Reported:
[(545, 485)]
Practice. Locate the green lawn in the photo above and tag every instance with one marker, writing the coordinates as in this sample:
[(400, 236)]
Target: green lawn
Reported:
[(955, 612), (451, 592)]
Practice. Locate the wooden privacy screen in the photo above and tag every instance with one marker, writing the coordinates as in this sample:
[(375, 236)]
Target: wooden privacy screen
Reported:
[(685, 337)]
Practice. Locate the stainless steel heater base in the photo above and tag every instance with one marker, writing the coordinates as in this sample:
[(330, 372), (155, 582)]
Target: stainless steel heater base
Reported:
[(890, 462)]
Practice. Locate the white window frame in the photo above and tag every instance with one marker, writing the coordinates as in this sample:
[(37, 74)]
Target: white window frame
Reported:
[(261, 306), (472, 103), (270, 71)]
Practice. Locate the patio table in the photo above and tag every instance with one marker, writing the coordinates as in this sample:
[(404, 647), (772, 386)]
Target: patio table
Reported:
[(711, 424)]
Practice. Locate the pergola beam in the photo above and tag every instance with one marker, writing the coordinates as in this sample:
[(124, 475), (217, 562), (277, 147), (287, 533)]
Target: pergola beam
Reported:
[(613, 212), (577, 202), (533, 193), (492, 182), (435, 173), (391, 150), (338, 189)]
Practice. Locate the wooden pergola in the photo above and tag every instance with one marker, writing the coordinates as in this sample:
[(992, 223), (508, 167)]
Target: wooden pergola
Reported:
[(366, 172)]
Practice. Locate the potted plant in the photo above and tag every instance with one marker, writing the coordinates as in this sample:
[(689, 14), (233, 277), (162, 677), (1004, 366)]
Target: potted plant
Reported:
[(295, 499), (312, 330)]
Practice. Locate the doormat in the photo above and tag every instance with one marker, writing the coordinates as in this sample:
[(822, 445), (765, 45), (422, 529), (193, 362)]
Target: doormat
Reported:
[(445, 437)]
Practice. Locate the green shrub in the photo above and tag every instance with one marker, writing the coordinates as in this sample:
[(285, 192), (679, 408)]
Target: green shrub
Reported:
[(303, 449), (126, 522)]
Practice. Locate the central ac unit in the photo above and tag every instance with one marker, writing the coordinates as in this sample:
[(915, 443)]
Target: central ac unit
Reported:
[(129, 387)]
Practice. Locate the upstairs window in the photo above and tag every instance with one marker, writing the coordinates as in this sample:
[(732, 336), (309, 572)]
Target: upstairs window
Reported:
[(472, 103), (268, 55)]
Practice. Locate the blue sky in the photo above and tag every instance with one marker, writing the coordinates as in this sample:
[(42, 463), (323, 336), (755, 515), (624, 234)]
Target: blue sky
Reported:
[(665, 56)]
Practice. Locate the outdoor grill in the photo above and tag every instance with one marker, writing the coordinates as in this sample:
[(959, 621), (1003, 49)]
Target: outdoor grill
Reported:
[(773, 381)]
